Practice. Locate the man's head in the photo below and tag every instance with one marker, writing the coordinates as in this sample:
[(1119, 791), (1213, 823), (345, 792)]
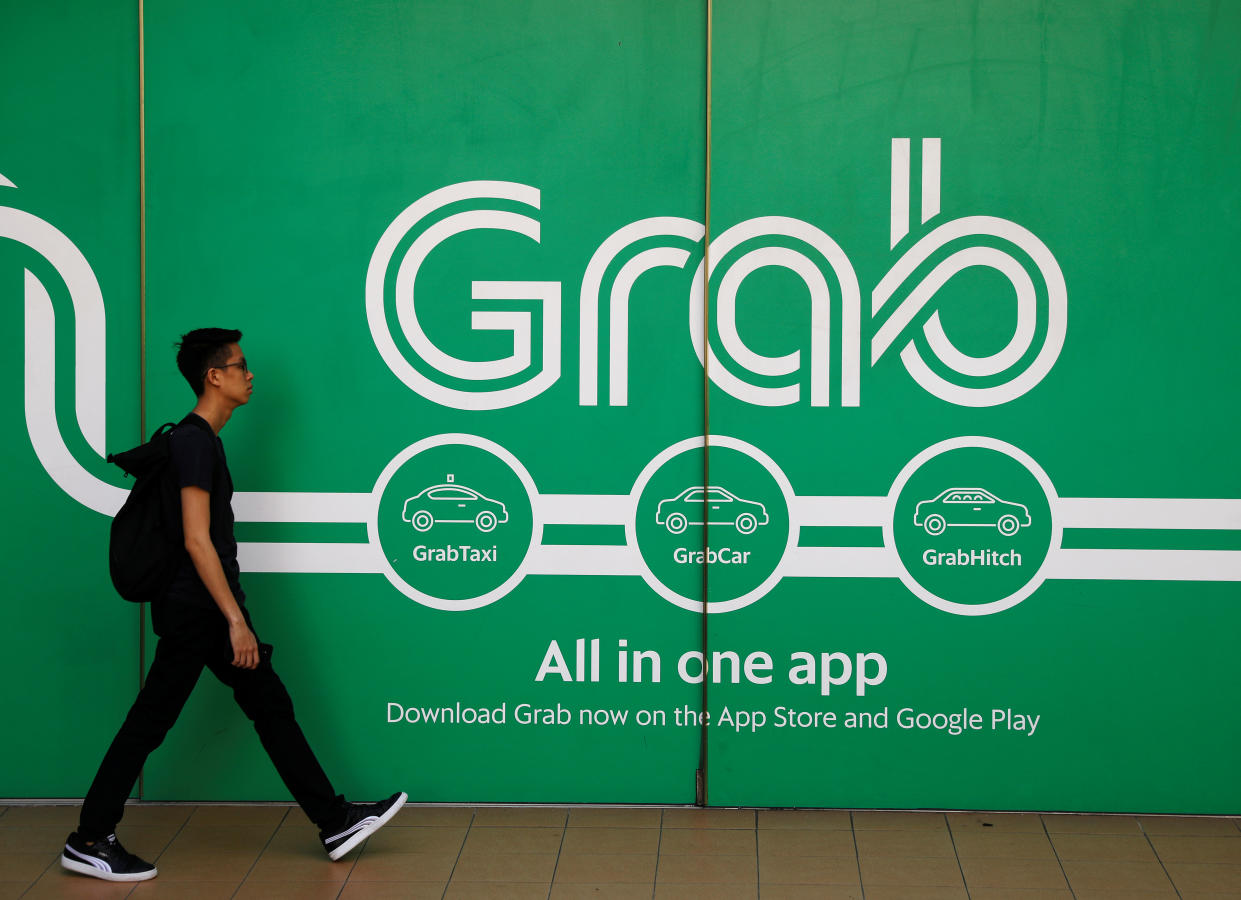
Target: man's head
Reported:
[(204, 349)]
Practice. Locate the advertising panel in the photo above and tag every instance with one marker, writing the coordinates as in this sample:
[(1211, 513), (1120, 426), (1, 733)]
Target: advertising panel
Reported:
[(68, 240), (998, 232), (847, 428)]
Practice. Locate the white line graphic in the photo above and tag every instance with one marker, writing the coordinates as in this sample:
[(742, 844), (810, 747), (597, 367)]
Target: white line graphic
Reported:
[(1132, 513), (1146, 565), (88, 314)]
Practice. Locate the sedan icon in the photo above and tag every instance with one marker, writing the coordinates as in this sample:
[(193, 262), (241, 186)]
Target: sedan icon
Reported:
[(970, 507), (451, 502), (713, 506)]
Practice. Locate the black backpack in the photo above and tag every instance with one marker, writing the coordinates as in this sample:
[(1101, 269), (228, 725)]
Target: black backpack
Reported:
[(147, 543)]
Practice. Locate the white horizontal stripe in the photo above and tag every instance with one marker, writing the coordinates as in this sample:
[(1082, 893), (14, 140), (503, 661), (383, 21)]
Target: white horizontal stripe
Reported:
[(583, 560), (359, 559), (841, 562), (273, 506), (583, 509), (1146, 565), (839, 510), (1136, 512)]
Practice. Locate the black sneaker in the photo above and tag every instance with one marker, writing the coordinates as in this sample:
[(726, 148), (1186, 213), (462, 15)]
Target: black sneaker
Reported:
[(105, 859), (357, 823)]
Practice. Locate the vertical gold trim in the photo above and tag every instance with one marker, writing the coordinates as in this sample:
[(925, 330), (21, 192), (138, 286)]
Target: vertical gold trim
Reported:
[(702, 781), (142, 312)]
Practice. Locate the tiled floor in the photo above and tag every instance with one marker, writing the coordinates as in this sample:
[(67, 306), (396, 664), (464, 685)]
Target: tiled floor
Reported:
[(558, 852)]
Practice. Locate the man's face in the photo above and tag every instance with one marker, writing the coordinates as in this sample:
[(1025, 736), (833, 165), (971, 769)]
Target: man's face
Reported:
[(236, 381)]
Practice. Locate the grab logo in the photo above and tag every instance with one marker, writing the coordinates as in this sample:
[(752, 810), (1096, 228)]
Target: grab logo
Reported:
[(924, 263)]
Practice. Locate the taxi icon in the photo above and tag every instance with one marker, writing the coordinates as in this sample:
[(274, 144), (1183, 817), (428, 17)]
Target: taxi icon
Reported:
[(453, 503), (973, 507), (710, 506)]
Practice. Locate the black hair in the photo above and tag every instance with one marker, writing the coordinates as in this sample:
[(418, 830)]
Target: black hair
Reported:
[(202, 349)]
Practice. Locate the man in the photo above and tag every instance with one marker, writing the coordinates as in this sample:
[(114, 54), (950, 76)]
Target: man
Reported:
[(202, 621)]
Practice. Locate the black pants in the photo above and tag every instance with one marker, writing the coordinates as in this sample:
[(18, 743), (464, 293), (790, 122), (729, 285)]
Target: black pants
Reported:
[(189, 639)]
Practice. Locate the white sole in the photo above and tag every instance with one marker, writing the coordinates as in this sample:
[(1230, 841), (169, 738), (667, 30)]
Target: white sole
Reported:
[(86, 869), (363, 833)]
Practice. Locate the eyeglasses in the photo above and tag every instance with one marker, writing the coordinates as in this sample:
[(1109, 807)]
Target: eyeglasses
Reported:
[(245, 369)]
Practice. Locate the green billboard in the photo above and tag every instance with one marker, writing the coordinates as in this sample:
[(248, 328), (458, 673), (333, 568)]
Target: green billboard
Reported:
[(796, 404)]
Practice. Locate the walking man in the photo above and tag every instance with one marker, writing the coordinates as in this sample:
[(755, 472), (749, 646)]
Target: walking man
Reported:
[(202, 621)]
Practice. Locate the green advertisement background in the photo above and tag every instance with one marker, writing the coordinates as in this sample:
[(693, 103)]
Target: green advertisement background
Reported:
[(281, 141)]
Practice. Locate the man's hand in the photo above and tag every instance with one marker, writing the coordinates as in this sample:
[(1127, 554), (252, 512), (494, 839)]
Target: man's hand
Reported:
[(245, 646)]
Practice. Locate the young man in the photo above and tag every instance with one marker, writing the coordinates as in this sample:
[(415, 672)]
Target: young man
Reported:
[(202, 621)]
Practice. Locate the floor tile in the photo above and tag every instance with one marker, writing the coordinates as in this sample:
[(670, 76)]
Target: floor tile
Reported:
[(616, 817), (880, 820), (880, 871), (600, 891), (1166, 894), (514, 867), (432, 815), (605, 868), (995, 822), (44, 839), (714, 841), (1210, 895), (706, 891), (921, 892), (1067, 823), (27, 866), (193, 864), (675, 869), (1109, 875), (829, 819), (1002, 845), (298, 867), (403, 867), (811, 892), (378, 890), (1104, 847), (808, 870), (508, 839), (1019, 894), (156, 814), (11, 890), (421, 839), (203, 839), (1186, 825), (497, 891), (904, 843), (610, 840), (267, 890), (709, 818), (1205, 877), (239, 815), (522, 816), (23, 816), (158, 889), (1195, 849), (817, 842), (1042, 874), (67, 886), (297, 837)]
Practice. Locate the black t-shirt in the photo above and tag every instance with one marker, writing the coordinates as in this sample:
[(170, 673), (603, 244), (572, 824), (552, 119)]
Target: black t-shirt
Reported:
[(198, 461)]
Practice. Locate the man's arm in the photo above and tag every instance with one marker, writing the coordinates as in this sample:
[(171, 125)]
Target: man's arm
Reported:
[(196, 522)]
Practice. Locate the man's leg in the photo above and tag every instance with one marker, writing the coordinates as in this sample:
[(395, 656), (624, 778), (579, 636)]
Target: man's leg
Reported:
[(263, 698), (172, 677)]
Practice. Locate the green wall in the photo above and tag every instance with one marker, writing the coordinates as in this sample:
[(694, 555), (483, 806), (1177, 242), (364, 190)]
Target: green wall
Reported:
[(465, 244)]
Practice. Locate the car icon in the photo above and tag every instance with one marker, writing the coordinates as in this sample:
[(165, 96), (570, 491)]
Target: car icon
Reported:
[(456, 503), (712, 505), (973, 507)]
